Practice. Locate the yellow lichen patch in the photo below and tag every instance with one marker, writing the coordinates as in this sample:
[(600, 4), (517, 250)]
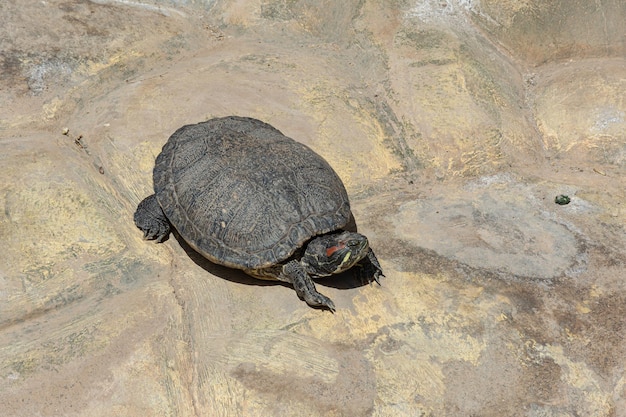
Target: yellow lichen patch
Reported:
[(582, 308), (50, 109), (505, 13), (582, 380), (581, 110), (405, 378), (133, 168), (595, 292), (111, 344), (409, 330), (61, 221), (94, 67), (409, 355), (146, 153), (281, 353), (440, 105), (353, 142), (241, 13), (377, 151), (369, 313), (52, 225)]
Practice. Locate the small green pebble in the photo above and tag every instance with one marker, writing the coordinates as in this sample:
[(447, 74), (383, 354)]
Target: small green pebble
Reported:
[(562, 199)]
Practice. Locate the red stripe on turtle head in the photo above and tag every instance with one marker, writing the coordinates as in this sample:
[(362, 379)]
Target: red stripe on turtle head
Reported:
[(335, 248)]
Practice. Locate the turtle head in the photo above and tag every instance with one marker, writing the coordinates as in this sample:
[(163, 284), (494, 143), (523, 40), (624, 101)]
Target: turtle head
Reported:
[(334, 253)]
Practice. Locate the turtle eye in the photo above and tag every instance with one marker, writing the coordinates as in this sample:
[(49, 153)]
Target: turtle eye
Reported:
[(354, 243)]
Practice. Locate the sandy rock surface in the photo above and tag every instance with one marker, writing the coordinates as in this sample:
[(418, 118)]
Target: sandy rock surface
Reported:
[(454, 126)]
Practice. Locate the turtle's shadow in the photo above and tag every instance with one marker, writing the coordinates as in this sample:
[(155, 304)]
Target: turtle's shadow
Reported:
[(343, 281)]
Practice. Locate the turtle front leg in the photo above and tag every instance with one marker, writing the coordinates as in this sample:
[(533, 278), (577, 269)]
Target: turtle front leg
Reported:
[(369, 268), (294, 273), (151, 220)]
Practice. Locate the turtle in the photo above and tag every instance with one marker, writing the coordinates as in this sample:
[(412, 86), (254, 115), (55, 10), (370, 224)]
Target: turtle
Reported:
[(245, 196)]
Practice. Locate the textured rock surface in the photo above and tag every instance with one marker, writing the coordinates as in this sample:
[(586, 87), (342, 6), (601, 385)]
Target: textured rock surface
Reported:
[(453, 124)]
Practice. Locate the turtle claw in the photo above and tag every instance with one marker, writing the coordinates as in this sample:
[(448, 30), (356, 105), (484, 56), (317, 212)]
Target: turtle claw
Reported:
[(159, 234), (369, 269), (377, 276), (149, 218), (295, 273), (319, 300), (367, 277), (315, 299)]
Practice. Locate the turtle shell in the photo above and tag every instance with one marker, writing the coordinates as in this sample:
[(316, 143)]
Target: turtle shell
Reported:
[(243, 194)]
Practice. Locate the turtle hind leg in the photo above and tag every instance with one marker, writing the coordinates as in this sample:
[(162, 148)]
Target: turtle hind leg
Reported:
[(294, 273), (151, 220)]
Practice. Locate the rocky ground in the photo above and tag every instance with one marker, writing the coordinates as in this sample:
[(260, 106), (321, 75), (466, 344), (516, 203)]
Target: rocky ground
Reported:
[(454, 125)]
